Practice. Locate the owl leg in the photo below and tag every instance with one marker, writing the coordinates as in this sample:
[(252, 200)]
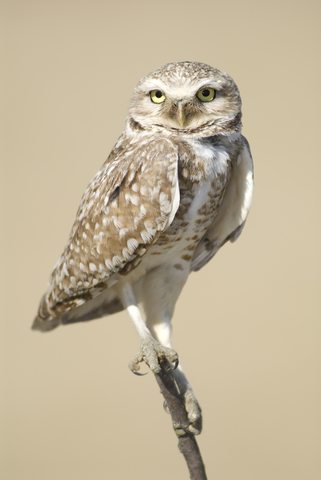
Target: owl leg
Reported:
[(161, 330), (150, 348)]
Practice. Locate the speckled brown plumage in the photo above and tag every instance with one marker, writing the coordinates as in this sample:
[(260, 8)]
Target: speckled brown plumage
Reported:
[(123, 211), (175, 187)]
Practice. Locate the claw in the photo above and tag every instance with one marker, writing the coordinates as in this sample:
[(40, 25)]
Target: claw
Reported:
[(138, 373), (175, 364), (165, 407)]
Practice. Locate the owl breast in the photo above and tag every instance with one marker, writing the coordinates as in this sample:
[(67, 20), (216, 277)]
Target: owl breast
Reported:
[(204, 172)]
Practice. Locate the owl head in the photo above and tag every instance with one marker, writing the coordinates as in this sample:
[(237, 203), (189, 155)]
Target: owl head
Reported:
[(186, 96)]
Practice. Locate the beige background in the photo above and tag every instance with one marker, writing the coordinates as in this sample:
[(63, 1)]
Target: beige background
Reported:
[(247, 327)]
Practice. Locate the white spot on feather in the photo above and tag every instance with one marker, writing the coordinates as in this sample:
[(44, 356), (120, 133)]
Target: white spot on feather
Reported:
[(126, 253), (132, 244), (65, 270), (82, 267), (116, 221), (147, 237), (117, 260), (144, 191), (143, 210), (122, 232), (134, 199), (150, 227), (108, 264)]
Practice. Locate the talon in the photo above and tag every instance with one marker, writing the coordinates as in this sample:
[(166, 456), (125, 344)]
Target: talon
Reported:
[(138, 373), (175, 364), (165, 407)]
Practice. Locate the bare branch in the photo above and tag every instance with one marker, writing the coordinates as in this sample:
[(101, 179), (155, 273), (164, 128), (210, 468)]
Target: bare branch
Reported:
[(175, 403)]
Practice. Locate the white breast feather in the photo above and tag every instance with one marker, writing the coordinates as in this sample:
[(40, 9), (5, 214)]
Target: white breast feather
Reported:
[(233, 211)]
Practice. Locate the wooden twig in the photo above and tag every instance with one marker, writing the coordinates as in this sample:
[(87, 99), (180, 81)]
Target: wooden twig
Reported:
[(175, 403)]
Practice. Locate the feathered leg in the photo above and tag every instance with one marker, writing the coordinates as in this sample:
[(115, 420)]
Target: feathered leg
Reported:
[(150, 349), (158, 321)]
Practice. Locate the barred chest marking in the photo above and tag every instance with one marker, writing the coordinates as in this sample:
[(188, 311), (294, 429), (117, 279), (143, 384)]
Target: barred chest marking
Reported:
[(204, 171)]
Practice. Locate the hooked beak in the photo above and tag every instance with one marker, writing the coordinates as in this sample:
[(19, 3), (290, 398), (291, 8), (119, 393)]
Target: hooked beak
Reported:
[(181, 115)]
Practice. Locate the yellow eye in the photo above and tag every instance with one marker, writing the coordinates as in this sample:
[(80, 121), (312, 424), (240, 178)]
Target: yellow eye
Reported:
[(157, 96), (206, 94)]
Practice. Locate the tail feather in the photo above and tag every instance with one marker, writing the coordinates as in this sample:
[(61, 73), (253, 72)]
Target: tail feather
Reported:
[(44, 321), (45, 325), (97, 307)]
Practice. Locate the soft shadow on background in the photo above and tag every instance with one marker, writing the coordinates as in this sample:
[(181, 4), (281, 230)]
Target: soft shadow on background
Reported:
[(247, 326)]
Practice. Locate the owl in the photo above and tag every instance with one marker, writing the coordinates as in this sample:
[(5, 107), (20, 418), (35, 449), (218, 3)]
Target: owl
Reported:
[(176, 186)]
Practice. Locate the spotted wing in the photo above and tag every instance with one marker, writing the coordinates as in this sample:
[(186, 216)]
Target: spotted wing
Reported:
[(128, 204), (230, 220)]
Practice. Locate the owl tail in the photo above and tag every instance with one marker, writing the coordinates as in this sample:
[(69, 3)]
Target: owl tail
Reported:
[(44, 321), (45, 325)]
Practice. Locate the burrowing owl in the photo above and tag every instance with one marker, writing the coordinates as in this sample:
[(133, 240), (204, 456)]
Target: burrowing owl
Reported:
[(176, 186)]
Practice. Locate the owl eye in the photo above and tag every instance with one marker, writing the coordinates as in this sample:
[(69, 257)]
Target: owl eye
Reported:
[(206, 94), (157, 96)]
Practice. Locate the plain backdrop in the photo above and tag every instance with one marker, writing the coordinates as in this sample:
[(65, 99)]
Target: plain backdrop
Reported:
[(247, 326)]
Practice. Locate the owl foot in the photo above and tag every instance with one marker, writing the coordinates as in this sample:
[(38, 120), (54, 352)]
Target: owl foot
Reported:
[(151, 351), (194, 415), (194, 412)]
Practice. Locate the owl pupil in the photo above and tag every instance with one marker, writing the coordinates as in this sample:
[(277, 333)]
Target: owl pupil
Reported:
[(205, 93), (158, 94)]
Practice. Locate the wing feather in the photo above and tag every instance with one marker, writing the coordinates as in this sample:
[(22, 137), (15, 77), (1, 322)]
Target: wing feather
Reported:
[(126, 207)]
